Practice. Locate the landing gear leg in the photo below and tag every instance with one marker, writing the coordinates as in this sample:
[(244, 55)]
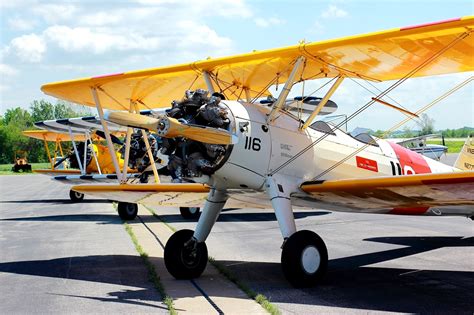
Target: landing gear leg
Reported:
[(304, 256), (186, 251)]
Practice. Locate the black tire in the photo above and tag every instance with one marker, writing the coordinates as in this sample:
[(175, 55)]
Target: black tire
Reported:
[(304, 259), (75, 196), (190, 212), (127, 211), (183, 260)]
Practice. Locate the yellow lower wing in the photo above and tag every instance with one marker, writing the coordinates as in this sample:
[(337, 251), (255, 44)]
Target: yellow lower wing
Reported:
[(172, 195), (423, 190)]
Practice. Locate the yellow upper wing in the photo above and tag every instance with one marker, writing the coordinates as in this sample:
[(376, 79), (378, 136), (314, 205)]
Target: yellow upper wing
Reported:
[(385, 55)]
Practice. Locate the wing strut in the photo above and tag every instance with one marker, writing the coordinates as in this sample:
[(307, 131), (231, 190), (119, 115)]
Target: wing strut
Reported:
[(207, 78), (75, 151), (286, 89), (323, 101), (88, 137), (148, 150), (110, 145)]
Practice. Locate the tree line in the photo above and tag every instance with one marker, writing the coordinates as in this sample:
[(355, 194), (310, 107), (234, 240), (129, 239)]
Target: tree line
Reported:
[(16, 120)]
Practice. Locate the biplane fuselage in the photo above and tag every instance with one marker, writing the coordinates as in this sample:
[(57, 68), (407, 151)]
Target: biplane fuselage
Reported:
[(263, 147)]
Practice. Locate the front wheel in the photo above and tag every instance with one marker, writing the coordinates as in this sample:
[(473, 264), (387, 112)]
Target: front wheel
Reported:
[(127, 211), (185, 258), (75, 196), (190, 212), (304, 259)]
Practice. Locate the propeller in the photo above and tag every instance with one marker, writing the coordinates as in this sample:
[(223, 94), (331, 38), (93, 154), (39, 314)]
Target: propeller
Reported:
[(114, 139), (169, 127)]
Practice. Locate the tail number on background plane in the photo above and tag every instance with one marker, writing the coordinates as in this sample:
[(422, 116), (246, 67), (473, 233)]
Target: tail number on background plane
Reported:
[(252, 144)]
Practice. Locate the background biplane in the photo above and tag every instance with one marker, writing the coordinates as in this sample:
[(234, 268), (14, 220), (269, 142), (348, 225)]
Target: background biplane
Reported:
[(270, 156)]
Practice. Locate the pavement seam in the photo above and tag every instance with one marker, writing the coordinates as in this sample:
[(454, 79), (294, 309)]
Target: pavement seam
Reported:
[(153, 276), (199, 288), (257, 297)]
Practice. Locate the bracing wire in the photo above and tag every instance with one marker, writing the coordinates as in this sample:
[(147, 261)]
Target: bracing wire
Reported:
[(379, 96)]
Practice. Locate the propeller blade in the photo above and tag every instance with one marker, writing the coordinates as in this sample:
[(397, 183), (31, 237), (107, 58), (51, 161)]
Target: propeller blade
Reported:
[(169, 127), (115, 140)]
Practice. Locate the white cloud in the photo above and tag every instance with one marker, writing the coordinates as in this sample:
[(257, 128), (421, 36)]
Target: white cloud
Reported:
[(29, 48), (19, 24), (54, 13), (225, 8), (6, 70), (333, 11), (98, 41), (266, 22)]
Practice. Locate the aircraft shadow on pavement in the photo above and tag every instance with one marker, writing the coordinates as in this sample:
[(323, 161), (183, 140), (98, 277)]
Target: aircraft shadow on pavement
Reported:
[(349, 284), (124, 270), (226, 216), (57, 201), (99, 218), (134, 297)]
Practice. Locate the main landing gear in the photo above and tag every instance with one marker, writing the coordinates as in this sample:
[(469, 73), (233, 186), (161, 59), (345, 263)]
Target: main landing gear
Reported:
[(127, 211), (186, 251), (75, 196), (304, 257)]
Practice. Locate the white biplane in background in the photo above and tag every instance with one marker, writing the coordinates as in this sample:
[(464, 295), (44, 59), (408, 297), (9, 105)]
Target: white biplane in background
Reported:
[(419, 145), (232, 150)]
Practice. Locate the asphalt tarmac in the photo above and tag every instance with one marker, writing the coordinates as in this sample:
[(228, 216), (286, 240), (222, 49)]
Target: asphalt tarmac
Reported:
[(58, 257)]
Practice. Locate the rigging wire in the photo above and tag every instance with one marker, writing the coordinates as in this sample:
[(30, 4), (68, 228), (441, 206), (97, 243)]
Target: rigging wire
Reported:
[(398, 125), (379, 96)]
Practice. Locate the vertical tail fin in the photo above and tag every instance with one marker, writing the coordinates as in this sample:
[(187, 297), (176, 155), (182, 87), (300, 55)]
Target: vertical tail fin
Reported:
[(465, 159)]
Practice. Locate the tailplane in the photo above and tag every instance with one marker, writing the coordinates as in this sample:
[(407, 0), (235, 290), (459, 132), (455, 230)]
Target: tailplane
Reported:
[(465, 159)]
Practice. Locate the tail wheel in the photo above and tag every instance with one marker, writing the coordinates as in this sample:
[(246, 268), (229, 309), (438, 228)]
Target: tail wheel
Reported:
[(75, 196), (190, 212), (127, 211), (185, 258), (304, 259)]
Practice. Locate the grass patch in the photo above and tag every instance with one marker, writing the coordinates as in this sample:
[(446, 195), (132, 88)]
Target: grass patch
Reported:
[(259, 298), (6, 169), (454, 146), (153, 276)]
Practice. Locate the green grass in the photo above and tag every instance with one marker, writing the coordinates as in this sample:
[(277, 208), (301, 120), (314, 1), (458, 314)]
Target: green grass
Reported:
[(152, 274), (6, 169), (259, 298), (454, 146)]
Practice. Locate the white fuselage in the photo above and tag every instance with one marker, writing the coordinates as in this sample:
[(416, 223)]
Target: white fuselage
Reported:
[(263, 148)]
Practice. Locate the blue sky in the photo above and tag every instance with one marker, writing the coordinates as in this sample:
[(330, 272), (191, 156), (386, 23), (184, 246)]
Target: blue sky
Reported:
[(45, 41)]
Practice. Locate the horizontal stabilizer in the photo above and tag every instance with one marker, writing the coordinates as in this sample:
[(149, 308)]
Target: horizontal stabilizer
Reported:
[(465, 160)]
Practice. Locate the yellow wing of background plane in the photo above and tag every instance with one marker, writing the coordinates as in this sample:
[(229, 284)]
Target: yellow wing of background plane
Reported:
[(52, 136), (379, 56)]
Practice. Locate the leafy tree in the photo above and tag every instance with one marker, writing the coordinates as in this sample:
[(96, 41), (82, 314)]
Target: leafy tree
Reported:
[(426, 124), (16, 120)]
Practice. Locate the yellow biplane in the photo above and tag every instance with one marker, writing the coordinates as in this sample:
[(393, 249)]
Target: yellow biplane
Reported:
[(235, 148), (88, 161)]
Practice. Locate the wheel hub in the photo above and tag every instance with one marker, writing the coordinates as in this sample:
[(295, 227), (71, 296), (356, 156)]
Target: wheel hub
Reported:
[(310, 259)]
